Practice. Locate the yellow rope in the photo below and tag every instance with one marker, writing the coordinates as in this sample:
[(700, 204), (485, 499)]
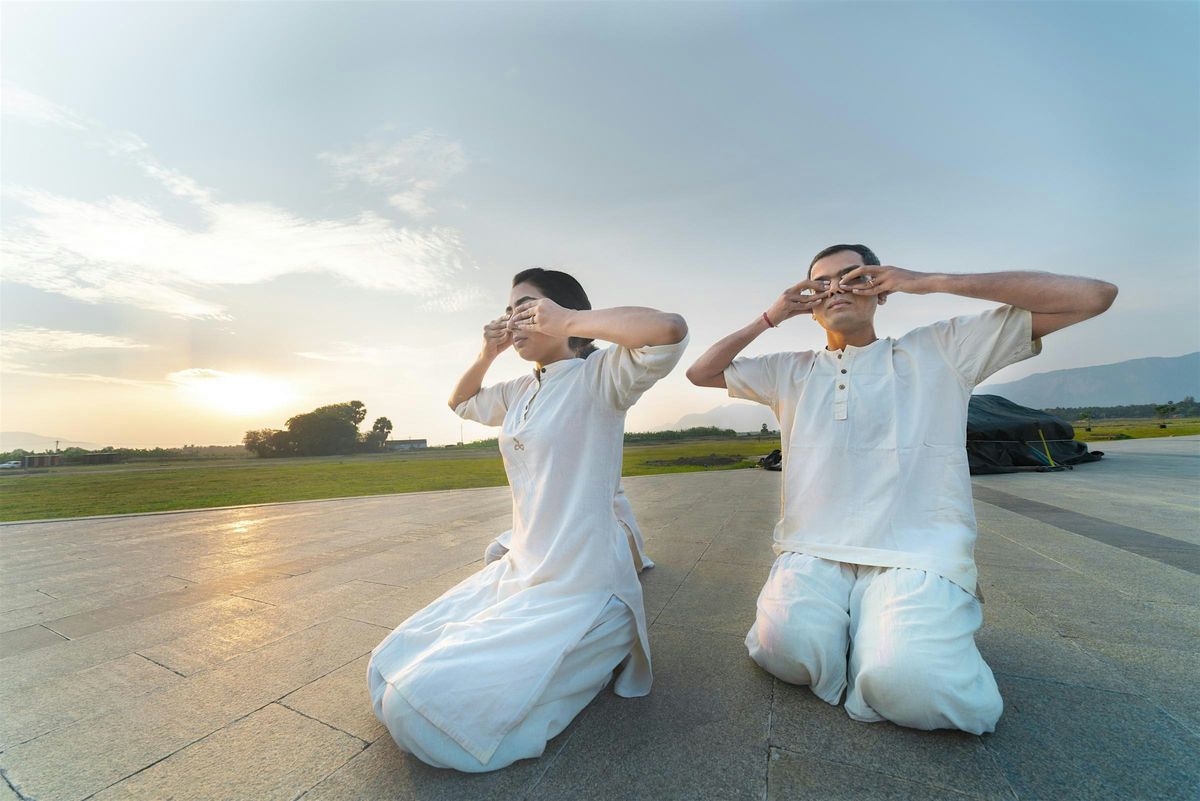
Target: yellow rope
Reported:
[(1047, 447)]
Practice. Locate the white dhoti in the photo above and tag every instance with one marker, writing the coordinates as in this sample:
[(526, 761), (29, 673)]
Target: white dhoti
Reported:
[(584, 671), (909, 636)]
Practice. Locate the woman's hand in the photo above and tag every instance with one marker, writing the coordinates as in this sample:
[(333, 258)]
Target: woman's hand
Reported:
[(496, 337), (798, 299), (542, 316)]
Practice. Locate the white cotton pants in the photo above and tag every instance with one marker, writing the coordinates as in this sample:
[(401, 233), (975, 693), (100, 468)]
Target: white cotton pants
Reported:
[(900, 642), (584, 671)]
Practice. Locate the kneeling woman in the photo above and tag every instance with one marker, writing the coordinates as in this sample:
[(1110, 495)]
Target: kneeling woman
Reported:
[(489, 672)]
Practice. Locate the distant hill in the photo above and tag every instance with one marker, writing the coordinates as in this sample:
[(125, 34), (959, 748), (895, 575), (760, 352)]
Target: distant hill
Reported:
[(738, 416), (25, 440), (1157, 379)]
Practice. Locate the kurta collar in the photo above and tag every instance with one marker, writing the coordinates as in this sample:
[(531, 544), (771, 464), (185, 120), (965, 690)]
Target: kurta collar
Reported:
[(554, 368), (851, 350)]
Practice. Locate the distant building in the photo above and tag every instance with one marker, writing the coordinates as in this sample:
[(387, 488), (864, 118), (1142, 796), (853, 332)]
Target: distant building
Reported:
[(41, 460), (406, 444)]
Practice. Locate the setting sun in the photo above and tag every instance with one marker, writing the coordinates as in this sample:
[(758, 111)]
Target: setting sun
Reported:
[(231, 393)]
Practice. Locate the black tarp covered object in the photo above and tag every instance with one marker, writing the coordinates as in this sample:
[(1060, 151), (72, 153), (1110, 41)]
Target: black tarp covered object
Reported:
[(1004, 437)]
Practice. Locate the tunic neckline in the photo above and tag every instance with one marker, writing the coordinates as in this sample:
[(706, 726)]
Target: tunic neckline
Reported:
[(854, 348), (554, 368)]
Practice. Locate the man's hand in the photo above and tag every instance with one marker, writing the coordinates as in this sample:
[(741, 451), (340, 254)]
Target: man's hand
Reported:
[(496, 337), (874, 279), (543, 316), (798, 299)]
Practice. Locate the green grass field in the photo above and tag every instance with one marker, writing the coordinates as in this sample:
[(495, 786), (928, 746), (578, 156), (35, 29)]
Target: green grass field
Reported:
[(1135, 429), (148, 487), (157, 487)]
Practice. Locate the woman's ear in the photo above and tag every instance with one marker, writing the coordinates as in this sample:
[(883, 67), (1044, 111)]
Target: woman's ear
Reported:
[(881, 298)]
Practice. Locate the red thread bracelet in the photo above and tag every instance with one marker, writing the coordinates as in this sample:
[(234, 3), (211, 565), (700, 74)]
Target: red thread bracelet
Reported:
[(767, 320)]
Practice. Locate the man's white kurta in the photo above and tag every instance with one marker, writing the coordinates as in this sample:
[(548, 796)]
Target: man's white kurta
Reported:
[(476, 660), (874, 441)]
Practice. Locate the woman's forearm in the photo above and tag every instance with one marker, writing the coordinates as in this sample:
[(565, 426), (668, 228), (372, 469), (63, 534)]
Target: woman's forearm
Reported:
[(628, 326), (471, 381)]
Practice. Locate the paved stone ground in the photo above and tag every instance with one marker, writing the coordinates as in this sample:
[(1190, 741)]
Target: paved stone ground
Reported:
[(221, 654)]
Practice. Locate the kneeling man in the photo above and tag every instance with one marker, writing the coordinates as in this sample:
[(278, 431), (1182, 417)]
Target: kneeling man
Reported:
[(872, 591)]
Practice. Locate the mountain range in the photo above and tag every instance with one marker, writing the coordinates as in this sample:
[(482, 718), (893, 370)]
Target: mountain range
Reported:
[(26, 440), (1156, 379)]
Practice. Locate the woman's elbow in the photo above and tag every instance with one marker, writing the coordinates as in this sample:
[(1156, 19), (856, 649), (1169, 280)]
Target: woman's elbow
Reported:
[(676, 328)]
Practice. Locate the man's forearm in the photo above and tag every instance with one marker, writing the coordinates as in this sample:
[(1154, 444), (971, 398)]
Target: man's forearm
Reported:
[(1038, 292), (709, 369)]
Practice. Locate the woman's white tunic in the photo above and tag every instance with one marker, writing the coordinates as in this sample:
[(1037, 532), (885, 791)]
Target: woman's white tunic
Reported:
[(476, 660)]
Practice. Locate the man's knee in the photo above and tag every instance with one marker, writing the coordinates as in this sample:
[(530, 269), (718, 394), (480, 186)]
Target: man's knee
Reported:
[(795, 654), (909, 692)]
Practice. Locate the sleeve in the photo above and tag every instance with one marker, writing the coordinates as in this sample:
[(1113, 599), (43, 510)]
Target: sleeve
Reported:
[(756, 378), (624, 374), (980, 345), (490, 404)]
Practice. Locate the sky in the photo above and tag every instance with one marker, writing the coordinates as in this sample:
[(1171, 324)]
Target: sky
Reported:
[(215, 216)]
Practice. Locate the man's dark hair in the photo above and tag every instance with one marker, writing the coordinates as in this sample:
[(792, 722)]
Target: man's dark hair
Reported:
[(868, 256), (564, 290)]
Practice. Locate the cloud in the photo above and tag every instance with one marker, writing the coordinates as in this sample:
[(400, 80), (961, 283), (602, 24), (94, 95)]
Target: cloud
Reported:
[(28, 341), (125, 251), (12, 369), (16, 102), (411, 169), (389, 354), (31, 338)]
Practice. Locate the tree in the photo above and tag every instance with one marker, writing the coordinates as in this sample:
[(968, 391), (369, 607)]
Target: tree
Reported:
[(327, 430), (1163, 412), (268, 442), (324, 431), (381, 429)]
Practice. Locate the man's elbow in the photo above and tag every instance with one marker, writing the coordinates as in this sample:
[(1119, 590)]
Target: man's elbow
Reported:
[(702, 379), (1101, 298)]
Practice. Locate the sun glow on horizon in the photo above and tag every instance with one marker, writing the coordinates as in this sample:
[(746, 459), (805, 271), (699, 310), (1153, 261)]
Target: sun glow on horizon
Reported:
[(231, 393)]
